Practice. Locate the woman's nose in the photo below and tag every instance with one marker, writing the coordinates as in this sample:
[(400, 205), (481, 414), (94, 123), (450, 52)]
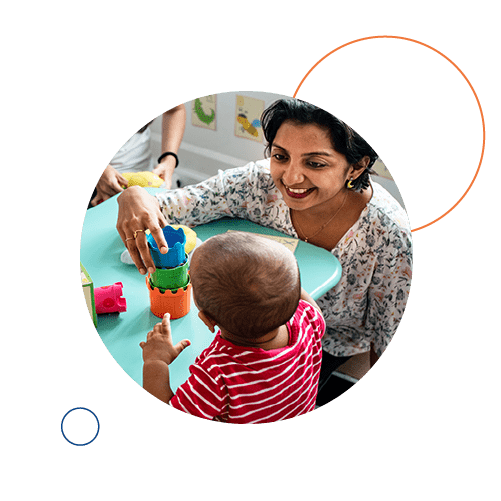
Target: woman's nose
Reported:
[(293, 174)]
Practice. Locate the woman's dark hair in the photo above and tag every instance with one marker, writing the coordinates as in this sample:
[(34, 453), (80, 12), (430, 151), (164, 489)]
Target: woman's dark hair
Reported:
[(344, 139)]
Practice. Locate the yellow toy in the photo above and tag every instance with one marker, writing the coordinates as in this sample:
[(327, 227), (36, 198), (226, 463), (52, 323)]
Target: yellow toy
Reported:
[(191, 237), (144, 179)]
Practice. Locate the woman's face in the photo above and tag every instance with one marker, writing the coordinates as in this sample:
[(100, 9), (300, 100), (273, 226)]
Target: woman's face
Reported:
[(305, 167)]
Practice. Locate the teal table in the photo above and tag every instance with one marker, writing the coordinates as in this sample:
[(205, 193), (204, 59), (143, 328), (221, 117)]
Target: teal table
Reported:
[(121, 333)]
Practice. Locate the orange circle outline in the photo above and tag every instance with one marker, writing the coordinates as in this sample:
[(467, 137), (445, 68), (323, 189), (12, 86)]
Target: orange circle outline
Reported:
[(455, 66)]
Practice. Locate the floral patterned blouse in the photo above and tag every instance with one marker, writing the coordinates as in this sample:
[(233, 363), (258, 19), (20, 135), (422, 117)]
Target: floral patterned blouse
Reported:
[(375, 253)]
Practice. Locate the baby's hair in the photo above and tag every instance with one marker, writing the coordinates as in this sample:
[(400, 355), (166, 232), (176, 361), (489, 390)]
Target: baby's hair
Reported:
[(249, 285)]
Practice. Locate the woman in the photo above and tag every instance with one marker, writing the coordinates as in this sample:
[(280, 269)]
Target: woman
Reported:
[(135, 156), (315, 186)]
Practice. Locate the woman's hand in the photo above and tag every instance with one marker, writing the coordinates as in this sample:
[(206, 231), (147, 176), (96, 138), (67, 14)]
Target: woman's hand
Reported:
[(139, 211), (110, 183), (165, 170)]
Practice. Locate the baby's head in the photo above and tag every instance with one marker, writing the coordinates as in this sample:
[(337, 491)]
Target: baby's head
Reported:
[(249, 285)]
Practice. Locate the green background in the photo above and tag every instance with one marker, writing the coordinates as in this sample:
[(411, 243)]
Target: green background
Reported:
[(79, 80)]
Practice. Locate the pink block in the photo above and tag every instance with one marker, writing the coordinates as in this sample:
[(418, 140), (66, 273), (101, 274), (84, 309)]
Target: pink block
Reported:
[(108, 299)]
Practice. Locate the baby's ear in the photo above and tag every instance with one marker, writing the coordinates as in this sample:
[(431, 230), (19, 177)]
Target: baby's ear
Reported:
[(207, 320)]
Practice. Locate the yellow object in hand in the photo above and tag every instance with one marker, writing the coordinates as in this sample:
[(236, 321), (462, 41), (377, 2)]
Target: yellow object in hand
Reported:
[(144, 179)]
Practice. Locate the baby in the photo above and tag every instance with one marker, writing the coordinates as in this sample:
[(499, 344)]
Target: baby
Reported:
[(264, 362)]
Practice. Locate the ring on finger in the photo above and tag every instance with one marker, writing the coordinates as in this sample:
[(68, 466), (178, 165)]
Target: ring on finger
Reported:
[(136, 232)]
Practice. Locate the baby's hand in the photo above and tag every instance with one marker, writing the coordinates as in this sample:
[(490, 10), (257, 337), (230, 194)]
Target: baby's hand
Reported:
[(159, 345)]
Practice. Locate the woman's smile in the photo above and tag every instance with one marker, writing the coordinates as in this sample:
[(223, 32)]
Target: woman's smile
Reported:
[(298, 192)]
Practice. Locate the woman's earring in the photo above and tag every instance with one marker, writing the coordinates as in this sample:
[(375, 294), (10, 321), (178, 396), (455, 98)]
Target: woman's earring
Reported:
[(349, 184)]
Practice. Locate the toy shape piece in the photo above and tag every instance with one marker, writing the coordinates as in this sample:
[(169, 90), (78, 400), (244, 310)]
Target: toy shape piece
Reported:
[(177, 302), (108, 299), (171, 278), (191, 237), (176, 240), (145, 179)]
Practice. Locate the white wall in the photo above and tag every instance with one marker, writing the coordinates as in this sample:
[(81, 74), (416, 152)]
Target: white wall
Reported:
[(203, 152)]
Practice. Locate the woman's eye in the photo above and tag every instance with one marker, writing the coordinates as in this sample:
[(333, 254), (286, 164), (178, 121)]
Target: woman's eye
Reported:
[(279, 157), (316, 165)]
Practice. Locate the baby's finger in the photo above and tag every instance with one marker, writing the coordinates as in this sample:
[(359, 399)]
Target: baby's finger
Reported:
[(166, 330), (157, 329), (142, 344), (182, 345)]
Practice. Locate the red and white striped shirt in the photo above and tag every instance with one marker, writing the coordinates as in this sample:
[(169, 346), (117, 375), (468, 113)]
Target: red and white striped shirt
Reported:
[(242, 384)]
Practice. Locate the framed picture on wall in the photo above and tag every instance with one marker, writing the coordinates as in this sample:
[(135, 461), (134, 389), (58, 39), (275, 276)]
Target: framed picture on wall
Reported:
[(248, 112), (203, 112)]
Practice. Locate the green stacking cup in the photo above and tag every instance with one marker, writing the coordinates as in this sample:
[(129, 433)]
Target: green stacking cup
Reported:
[(171, 278)]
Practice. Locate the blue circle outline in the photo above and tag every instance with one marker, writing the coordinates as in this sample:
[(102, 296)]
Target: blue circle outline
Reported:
[(85, 409)]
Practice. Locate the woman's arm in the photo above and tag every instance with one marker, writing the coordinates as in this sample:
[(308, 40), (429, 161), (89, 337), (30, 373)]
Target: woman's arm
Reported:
[(230, 193), (173, 125), (139, 211)]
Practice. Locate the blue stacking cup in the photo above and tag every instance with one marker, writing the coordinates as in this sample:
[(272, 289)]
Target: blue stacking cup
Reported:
[(176, 240)]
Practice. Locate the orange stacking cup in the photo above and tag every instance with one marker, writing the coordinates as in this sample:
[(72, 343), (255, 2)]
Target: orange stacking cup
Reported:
[(174, 301)]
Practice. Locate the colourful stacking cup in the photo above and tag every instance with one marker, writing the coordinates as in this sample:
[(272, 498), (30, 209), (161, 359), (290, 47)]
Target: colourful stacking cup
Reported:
[(176, 240), (177, 302), (171, 278)]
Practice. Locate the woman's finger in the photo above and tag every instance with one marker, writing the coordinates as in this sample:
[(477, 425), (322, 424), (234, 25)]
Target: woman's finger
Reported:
[(116, 186), (130, 243), (122, 181), (109, 188), (158, 234), (95, 200), (143, 250)]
